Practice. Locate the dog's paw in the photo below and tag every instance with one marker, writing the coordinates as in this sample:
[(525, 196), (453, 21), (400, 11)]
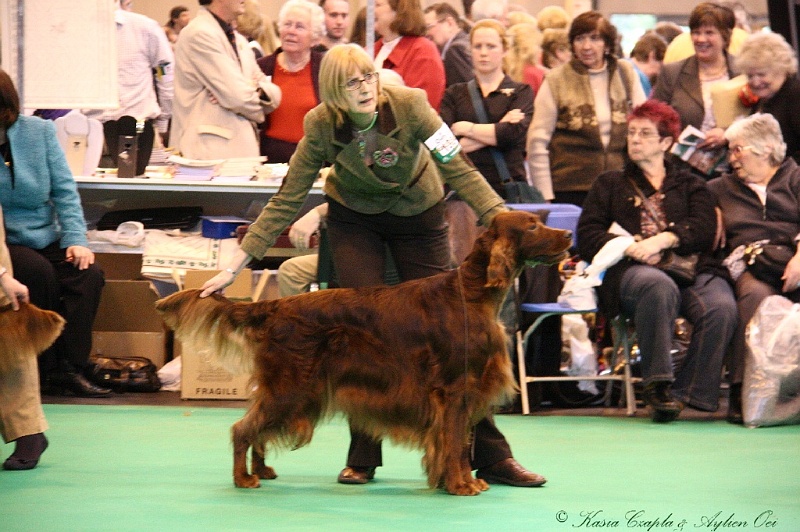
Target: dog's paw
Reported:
[(265, 472), (247, 481), (464, 488), (482, 484)]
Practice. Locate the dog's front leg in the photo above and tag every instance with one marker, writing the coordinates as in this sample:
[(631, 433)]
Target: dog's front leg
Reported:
[(458, 479)]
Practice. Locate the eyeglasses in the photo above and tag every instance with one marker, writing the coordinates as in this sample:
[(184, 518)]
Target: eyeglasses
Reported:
[(738, 150), (355, 83), (643, 134)]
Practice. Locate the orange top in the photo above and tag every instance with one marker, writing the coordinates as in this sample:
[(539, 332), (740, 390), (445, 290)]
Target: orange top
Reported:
[(286, 122)]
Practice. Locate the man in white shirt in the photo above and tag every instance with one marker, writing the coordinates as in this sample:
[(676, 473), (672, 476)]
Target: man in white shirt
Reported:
[(144, 74)]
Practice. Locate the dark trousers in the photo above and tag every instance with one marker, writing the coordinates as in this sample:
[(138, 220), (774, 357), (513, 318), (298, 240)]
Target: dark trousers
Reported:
[(57, 285), (419, 248)]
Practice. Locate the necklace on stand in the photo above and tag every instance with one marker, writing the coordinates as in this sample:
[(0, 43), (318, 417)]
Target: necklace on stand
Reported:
[(361, 135)]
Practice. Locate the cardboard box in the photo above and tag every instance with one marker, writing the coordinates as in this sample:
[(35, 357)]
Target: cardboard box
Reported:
[(202, 377), (127, 323)]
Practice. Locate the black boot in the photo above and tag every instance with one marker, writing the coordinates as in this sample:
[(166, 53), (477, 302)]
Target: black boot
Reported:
[(664, 407), (735, 404), (72, 381), (26, 453)]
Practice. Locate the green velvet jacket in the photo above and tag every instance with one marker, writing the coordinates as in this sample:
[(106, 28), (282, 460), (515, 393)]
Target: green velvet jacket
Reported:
[(408, 182)]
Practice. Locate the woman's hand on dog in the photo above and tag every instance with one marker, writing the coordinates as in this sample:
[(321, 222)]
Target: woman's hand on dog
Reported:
[(226, 276), (15, 291)]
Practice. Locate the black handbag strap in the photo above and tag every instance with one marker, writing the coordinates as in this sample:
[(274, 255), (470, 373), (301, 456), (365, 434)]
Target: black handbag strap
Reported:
[(662, 225), (480, 112)]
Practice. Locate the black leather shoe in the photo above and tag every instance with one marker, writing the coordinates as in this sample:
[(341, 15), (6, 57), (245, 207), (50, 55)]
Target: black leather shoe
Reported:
[(75, 383), (356, 475), (27, 453), (664, 407), (510, 472), (735, 405)]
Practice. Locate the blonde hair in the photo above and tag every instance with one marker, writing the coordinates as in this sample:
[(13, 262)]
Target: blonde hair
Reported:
[(554, 17), (525, 49), (337, 67), (768, 51)]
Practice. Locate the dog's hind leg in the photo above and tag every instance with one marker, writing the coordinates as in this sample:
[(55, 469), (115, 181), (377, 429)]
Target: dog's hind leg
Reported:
[(259, 468), (244, 434)]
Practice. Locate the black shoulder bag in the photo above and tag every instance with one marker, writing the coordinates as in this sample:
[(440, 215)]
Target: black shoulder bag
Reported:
[(514, 191)]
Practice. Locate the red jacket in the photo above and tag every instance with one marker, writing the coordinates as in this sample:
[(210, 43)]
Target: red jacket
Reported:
[(418, 61)]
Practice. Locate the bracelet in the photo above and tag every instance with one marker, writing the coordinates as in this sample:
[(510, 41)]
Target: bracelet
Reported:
[(231, 271), (3, 271)]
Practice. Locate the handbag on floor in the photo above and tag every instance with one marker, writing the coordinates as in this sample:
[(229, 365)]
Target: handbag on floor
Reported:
[(124, 374)]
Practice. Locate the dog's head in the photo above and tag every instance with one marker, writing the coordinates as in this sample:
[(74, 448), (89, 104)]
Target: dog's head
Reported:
[(518, 238), (26, 332)]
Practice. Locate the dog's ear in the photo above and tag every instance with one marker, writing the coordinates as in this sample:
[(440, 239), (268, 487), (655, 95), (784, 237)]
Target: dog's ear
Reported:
[(502, 261)]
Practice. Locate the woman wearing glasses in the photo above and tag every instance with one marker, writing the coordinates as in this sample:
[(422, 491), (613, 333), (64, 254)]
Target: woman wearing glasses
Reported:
[(665, 208), (390, 153), (759, 201)]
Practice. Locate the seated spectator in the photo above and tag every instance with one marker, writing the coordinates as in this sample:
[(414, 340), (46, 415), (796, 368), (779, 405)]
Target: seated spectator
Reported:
[(404, 48), (294, 67), (445, 29), (759, 201), (508, 106), (677, 215), (647, 57), (771, 68), (46, 236)]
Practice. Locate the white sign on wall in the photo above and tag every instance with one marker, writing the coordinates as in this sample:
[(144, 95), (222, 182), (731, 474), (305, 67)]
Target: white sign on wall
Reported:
[(69, 52)]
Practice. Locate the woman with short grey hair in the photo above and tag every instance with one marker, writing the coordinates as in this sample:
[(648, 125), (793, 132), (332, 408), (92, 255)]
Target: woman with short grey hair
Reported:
[(758, 201), (773, 87)]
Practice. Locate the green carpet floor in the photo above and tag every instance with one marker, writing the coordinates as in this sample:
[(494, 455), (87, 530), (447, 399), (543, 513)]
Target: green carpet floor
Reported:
[(169, 468)]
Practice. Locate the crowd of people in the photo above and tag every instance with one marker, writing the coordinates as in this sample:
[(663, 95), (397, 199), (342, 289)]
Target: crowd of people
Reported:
[(466, 98)]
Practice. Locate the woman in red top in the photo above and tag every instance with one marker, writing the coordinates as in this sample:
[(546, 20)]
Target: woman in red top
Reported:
[(294, 67), (404, 48)]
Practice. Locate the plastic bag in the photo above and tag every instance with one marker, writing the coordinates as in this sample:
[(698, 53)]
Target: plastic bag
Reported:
[(771, 388)]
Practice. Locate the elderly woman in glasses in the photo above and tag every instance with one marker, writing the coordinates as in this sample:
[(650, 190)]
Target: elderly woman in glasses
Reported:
[(390, 153), (759, 201), (666, 209)]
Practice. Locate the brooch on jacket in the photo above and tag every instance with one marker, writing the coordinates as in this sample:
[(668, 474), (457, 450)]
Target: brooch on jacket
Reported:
[(507, 92), (385, 158)]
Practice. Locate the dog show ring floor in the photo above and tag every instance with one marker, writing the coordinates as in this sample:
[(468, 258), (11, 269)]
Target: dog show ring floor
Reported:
[(154, 462)]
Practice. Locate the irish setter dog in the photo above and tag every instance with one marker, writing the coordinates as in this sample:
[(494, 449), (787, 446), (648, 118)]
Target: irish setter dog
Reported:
[(419, 363), (25, 333)]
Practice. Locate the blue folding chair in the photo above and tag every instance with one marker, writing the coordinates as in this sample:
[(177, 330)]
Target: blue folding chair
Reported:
[(622, 348)]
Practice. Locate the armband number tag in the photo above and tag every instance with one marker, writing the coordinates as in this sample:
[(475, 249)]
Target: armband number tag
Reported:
[(443, 144)]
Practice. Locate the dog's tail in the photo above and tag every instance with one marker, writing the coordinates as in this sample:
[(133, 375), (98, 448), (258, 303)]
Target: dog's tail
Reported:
[(207, 327), (25, 333)]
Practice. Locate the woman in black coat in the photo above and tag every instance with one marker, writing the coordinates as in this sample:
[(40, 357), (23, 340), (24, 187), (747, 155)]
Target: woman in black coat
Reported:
[(680, 218)]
